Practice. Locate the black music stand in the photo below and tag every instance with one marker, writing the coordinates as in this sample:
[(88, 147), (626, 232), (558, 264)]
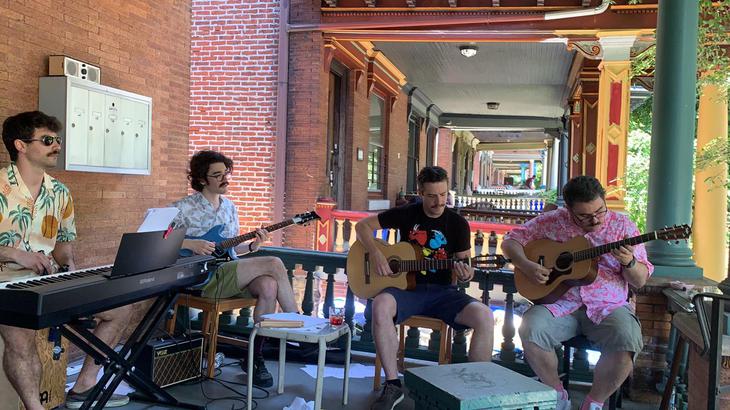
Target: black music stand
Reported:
[(120, 366)]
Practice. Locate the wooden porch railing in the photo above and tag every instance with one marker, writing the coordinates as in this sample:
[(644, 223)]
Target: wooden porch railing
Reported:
[(504, 203), (318, 278)]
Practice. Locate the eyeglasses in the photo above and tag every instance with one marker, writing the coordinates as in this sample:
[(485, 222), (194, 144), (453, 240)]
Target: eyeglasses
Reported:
[(47, 140), (220, 176), (589, 217)]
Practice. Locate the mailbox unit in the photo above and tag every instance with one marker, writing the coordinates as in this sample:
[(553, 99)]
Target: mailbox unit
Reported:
[(104, 129)]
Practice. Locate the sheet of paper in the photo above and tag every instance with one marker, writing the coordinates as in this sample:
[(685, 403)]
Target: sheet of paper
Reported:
[(158, 219), (357, 371)]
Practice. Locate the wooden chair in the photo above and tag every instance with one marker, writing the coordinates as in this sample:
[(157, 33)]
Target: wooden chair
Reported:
[(212, 308), (418, 321)]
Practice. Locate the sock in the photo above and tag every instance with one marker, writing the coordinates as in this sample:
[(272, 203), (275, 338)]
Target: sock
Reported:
[(589, 404), (395, 382), (562, 393), (258, 346)]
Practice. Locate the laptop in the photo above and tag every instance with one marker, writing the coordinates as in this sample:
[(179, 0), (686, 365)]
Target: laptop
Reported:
[(141, 252)]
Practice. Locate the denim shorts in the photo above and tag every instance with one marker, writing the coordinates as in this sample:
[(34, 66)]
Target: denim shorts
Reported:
[(439, 301)]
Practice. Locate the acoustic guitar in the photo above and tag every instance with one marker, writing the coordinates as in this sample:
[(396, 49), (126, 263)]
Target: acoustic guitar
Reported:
[(405, 260), (575, 263), (224, 247)]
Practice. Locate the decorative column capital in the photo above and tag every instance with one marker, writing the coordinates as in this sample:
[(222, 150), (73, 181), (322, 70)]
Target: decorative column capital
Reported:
[(617, 48)]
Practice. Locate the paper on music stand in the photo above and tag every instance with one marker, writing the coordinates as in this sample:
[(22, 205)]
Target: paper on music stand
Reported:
[(158, 219)]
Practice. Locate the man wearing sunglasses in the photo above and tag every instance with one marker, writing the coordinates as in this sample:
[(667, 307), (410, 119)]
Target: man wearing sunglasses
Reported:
[(36, 230), (264, 278), (599, 311)]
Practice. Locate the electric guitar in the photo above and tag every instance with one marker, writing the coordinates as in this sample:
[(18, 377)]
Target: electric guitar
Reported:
[(405, 260), (575, 262), (224, 247)]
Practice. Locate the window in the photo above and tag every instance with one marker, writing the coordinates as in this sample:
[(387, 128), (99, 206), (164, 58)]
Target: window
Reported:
[(414, 134), (376, 145)]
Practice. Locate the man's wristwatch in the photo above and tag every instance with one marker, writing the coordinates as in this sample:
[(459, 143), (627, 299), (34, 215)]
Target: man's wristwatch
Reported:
[(629, 265)]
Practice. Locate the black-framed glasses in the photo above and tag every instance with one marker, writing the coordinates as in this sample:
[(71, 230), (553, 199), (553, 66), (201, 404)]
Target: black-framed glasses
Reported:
[(220, 176), (47, 140), (589, 217)]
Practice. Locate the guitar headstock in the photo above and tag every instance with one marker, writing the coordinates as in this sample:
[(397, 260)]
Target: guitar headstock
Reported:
[(675, 232), (489, 261), (302, 219)]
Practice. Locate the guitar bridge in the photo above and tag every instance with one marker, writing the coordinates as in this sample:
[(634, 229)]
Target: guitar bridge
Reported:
[(367, 267)]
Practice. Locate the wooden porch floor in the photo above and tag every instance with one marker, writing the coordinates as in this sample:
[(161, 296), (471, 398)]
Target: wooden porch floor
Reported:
[(299, 384)]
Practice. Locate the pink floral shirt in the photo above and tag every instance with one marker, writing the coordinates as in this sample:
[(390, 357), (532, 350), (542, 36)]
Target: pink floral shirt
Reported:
[(609, 291)]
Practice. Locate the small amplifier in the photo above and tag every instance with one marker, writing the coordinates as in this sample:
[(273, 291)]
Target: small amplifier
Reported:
[(172, 361)]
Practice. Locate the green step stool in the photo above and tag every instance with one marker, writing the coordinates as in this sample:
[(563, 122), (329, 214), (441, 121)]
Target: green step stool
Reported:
[(480, 385)]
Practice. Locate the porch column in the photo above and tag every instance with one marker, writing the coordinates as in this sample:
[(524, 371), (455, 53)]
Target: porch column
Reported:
[(673, 131), (545, 168), (613, 115), (710, 210), (554, 163)]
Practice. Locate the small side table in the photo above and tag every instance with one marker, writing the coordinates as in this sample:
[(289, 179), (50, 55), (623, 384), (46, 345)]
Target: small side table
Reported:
[(315, 330)]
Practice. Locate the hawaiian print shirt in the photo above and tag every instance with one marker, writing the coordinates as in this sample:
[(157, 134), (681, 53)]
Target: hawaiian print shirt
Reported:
[(33, 226), (609, 291), (198, 216)]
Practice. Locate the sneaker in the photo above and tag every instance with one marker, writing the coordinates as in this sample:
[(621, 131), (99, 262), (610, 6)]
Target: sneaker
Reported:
[(75, 400), (261, 375), (389, 398)]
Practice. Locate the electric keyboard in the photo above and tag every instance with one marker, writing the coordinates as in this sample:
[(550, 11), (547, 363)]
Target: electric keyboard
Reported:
[(52, 300)]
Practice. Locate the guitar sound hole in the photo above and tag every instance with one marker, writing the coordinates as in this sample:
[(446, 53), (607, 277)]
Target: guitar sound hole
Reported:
[(394, 265), (564, 261)]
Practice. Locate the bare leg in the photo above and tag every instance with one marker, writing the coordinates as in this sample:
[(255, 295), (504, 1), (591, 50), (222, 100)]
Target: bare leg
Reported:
[(22, 365), (111, 325), (610, 372), (251, 268), (264, 288), (386, 337), (478, 317), (544, 364)]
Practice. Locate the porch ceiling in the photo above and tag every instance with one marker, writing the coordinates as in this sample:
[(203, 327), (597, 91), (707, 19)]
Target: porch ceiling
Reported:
[(526, 79)]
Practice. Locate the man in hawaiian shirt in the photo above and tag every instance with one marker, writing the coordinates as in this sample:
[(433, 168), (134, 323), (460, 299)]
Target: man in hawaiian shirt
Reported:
[(599, 311), (441, 234), (36, 230), (262, 277)]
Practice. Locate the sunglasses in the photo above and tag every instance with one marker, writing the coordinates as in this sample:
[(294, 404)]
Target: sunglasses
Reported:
[(47, 140)]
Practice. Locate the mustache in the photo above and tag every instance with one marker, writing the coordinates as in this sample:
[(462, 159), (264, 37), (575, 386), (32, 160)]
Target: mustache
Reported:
[(223, 185), (53, 153)]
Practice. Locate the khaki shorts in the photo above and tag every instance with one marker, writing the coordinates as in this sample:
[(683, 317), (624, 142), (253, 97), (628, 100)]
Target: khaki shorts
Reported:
[(618, 332), (223, 283)]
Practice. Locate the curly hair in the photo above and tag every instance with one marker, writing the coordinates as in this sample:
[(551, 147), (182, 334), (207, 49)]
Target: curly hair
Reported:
[(22, 126), (582, 188), (431, 174), (199, 164)]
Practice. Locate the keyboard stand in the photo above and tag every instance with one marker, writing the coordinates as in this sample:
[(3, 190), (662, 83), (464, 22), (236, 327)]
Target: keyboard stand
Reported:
[(120, 366)]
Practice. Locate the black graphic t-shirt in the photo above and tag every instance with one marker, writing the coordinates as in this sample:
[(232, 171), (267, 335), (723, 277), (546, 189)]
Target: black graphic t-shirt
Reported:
[(439, 237)]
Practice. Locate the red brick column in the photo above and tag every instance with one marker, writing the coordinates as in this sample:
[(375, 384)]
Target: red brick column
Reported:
[(233, 71)]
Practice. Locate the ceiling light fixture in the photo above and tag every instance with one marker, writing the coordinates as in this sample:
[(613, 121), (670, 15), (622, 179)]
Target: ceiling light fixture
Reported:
[(468, 51)]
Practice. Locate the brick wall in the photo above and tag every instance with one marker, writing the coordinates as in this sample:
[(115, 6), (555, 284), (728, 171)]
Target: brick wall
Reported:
[(358, 113), (398, 147), (233, 74), (444, 150), (651, 309), (142, 47)]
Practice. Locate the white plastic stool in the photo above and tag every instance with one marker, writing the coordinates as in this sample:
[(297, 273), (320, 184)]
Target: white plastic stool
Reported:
[(316, 330)]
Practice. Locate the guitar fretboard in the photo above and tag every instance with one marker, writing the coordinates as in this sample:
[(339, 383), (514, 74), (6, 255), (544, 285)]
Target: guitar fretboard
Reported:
[(231, 242), (600, 250), (427, 264)]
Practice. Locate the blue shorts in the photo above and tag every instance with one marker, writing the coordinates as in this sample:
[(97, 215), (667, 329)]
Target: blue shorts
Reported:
[(439, 301)]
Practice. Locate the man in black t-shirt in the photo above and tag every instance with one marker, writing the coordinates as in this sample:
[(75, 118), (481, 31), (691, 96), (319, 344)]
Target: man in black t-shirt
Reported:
[(441, 234)]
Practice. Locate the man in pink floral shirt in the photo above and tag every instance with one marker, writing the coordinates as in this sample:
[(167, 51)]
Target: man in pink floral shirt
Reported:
[(600, 310)]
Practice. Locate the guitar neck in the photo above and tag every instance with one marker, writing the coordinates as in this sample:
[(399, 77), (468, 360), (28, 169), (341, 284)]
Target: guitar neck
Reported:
[(426, 264), (591, 253), (231, 242)]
